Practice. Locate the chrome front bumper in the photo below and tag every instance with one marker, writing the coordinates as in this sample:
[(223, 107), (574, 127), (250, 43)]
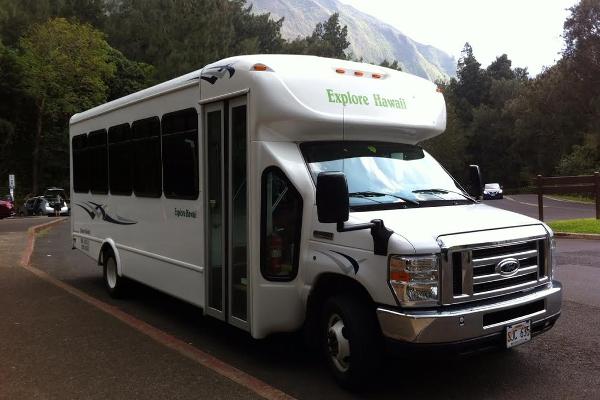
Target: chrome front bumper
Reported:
[(467, 321)]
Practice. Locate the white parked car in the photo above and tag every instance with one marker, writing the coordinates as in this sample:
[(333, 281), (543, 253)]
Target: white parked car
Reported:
[(492, 191), (51, 197)]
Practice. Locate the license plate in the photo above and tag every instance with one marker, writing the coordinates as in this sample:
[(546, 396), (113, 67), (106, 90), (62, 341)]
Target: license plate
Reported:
[(517, 334)]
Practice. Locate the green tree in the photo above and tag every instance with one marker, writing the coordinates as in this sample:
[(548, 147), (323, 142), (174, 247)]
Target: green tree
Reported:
[(129, 77), (329, 39), (393, 65), (65, 66), (192, 33)]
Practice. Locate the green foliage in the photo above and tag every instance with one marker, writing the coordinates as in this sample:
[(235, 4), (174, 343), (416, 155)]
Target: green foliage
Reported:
[(192, 33), (329, 39), (393, 65), (129, 77), (583, 160), (65, 66), (17, 16), (583, 225)]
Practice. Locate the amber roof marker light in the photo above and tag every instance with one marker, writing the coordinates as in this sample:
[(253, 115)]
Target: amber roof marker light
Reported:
[(260, 67), (340, 70)]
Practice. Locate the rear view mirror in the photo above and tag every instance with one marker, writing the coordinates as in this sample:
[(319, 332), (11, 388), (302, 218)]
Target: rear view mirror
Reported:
[(332, 197), (475, 181)]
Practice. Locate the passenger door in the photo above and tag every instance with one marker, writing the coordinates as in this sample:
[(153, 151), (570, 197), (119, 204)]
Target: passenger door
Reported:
[(226, 191)]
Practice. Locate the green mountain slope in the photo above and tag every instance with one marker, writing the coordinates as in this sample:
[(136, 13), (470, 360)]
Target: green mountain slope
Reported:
[(370, 38)]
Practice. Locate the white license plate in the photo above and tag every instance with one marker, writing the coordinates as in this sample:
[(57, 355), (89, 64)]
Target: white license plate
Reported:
[(517, 334)]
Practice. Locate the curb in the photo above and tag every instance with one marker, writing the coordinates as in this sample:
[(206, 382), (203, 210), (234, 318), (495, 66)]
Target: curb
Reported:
[(567, 235), (25, 258)]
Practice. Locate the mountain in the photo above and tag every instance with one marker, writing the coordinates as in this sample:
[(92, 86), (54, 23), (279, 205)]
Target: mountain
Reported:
[(370, 38)]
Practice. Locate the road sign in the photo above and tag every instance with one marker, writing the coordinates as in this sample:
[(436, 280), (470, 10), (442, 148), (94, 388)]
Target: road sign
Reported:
[(11, 181)]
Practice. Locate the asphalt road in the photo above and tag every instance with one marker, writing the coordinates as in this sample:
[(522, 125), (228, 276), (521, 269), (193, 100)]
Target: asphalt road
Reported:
[(563, 363), (21, 224), (553, 209)]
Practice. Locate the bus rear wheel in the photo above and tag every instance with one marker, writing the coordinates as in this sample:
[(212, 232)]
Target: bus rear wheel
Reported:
[(350, 341), (115, 284)]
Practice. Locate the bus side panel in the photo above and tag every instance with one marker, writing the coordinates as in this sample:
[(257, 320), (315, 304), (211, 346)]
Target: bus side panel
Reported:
[(160, 241), (178, 281)]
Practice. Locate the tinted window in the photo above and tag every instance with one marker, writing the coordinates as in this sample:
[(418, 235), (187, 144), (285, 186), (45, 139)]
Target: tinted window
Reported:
[(281, 224), (147, 180), (81, 165), (180, 154), (98, 158), (119, 159)]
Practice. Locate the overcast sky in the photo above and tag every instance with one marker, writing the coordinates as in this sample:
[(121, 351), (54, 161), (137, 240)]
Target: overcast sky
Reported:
[(528, 31)]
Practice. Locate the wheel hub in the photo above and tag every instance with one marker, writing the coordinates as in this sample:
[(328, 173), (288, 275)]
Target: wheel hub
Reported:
[(111, 273), (337, 344)]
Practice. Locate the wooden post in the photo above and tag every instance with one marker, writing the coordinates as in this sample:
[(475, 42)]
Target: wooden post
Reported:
[(540, 193), (597, 182)]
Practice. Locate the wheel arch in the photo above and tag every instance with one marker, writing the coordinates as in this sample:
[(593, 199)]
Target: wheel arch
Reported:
[(326, 285), (108, 246)]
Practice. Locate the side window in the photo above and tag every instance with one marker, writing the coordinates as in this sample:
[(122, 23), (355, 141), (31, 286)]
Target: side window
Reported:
[(98, 158), (81, 164), (281, 225), (145, 142), (180, 154), (119, 160)]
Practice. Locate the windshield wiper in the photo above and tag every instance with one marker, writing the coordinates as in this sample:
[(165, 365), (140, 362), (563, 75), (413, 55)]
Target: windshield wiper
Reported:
[(444, 191), (368, 194)]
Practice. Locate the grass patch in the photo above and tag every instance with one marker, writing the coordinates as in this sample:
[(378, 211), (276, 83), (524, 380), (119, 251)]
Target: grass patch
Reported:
[(584, 225)]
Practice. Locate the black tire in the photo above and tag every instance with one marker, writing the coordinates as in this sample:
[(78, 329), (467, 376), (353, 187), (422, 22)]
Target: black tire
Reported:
[(361, 331), (115, 285)]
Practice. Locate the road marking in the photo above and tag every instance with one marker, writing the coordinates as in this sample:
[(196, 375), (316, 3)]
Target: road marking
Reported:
[(214, 364), (521, 202)]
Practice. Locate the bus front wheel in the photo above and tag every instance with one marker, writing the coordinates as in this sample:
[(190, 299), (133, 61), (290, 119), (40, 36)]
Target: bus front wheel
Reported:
[(350, 341)]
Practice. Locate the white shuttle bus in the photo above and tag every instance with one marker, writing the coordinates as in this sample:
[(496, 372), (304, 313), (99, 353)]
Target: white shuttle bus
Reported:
[(283, 192)]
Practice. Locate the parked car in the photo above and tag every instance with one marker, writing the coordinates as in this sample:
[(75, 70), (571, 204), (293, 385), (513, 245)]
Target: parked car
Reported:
[(7, 209), (51, 196), (33, 206), (492, 191)]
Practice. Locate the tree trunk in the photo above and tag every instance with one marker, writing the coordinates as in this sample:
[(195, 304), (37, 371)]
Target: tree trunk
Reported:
[(37, 144)]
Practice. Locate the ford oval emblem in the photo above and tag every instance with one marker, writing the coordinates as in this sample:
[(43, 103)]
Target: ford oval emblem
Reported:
[(508, 266)]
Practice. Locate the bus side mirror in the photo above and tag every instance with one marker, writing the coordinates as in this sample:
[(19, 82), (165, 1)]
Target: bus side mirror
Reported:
[(475, 181), (332, 197)]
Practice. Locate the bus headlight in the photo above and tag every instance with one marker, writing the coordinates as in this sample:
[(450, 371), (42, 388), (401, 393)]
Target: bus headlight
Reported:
[(415, 279)]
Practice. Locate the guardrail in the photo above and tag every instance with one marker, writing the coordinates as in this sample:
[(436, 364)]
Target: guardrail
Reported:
[(567, 185)]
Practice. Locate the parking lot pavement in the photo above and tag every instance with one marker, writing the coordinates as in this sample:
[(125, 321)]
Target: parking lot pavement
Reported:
[(553, 209), (55, 346), (562, 363)]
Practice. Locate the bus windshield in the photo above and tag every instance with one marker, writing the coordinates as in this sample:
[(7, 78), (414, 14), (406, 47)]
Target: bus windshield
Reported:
[(384, 174)]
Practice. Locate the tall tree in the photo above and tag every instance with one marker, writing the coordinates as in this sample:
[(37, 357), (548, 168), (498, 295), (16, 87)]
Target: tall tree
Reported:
[(65, 66), (329, 39), (472, 82)]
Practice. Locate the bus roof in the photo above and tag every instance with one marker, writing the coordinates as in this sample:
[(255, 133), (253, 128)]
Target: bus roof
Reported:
[(297, 95)]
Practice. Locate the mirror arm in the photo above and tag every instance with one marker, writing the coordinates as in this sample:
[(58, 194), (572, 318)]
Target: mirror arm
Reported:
[(381, 234), (342, 227)]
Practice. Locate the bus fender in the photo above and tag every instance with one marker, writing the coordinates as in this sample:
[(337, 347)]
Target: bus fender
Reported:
[(109, 245)]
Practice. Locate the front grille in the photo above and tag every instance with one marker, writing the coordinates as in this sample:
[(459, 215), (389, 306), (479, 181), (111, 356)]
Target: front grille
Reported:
[(476, 274)]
